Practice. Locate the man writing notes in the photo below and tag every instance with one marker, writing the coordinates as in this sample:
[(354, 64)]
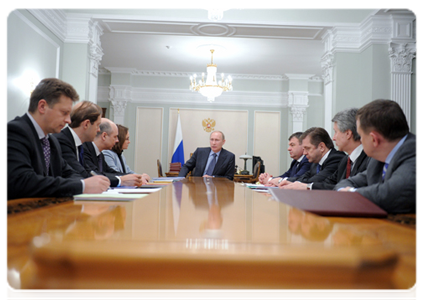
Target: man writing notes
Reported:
[(85, 123), (390, 178), (348, 140), (213, 161), (94, 160), (299, 164), (319, 149), (35, 164)]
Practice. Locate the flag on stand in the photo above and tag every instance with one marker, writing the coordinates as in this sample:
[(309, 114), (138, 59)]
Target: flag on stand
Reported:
[(178, 148)]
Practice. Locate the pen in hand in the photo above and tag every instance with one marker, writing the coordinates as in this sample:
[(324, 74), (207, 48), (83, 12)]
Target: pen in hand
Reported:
[(93, 173)]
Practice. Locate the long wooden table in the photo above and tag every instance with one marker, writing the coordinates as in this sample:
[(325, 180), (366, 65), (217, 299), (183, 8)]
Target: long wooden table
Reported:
[(202, 233)]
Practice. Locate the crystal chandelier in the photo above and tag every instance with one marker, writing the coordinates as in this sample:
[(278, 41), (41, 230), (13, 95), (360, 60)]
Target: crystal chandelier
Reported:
[(211, 88)]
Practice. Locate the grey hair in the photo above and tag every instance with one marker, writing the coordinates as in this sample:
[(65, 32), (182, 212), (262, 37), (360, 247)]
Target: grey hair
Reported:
[(223, 136), (346, 121), (105, 126)]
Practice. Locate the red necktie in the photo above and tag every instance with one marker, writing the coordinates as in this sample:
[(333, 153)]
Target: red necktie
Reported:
[(348, 168)]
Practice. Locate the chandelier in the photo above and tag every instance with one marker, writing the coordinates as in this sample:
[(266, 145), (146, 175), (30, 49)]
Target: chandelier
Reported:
[(211, 88)]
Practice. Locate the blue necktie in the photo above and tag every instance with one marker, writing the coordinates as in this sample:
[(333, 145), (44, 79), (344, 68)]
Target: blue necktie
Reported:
[(385, 167), (100, 162), (81, 155), (210, 169), (318, 169)]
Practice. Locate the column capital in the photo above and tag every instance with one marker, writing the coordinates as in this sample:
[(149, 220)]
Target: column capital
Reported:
[(328, 64), (402, 55), (119, 97)]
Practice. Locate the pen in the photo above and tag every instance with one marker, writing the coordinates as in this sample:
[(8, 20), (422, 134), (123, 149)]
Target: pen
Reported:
[(93, 173)]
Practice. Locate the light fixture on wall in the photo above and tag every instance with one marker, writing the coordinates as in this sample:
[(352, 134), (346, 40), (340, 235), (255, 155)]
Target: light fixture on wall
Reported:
[(211, 87), (28, 81), (215, 14)]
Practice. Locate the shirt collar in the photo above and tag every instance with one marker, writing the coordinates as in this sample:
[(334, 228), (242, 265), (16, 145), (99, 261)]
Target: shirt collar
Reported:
[(38, 129), (217, 153), (324, 157), (75, 137), (97, 152), (301, 158), (393, 151), (356, 153)]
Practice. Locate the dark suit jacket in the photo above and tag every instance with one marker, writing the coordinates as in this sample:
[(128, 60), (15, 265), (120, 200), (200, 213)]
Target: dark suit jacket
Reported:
[(67, 143), (329, 167), (329, 183), (303, 167), (91, 164), (225, 165), (26, 171), (397, 193)]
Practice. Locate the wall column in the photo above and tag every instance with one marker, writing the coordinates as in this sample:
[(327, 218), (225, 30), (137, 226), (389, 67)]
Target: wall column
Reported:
[(402, 51), (95, 55), (119, 97), (298, 103), (328, 65)]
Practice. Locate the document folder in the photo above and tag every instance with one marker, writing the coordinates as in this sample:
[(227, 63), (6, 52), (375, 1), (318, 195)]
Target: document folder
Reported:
[(329, 203)]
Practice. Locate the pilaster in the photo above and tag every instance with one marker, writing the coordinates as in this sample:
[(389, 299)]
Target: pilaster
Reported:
[(298, 103), (119, 97), (402, 51)]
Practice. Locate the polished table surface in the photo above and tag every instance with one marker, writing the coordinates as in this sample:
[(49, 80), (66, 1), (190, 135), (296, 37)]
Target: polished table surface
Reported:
[(203, 233)]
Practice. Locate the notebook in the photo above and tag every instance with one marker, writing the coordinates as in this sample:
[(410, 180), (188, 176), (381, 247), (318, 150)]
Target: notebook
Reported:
[(329, 203)]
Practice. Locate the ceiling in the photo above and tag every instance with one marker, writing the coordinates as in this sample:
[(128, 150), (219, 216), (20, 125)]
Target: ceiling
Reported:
[(249, 41)]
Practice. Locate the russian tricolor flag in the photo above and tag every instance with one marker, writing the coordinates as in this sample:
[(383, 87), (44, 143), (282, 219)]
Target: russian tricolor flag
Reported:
[(178, 148)]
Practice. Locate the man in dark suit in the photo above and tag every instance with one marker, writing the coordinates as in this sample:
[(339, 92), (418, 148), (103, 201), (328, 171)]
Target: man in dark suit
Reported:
[(299, 164), (213, 161), (320, 151), (35, 164), (85, 123), (348, 140), (390, 178), (94, 160)]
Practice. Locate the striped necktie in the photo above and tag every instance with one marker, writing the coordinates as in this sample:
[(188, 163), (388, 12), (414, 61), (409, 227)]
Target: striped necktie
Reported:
[(318, 169)]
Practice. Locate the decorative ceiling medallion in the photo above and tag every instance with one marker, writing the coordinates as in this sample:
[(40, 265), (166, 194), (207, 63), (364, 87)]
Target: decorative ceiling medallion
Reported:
[(213, 30), (209, 124)]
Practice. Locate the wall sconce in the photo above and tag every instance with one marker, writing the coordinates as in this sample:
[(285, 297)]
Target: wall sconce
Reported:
[(27, 82)]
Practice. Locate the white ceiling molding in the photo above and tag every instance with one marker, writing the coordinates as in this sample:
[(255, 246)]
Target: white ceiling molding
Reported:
[(54, 19), (78, 30), (213, 29), (178, 96), (135, 72)]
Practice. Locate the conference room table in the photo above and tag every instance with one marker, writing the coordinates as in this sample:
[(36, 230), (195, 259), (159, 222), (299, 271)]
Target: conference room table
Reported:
[(203, 233)]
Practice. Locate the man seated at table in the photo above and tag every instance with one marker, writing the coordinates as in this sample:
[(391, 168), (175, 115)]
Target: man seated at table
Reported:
[(85, 123), (299, 164), (390, 178), (213, 161), (94, 160), (35, 164), (348, 140), (320, 151)]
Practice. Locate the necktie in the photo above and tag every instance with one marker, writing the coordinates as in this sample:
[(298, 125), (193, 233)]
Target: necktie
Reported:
[(81, 154), (385, 167), (46, 150), (210, 169), (100, 162), (318, 169), (348, 168)]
